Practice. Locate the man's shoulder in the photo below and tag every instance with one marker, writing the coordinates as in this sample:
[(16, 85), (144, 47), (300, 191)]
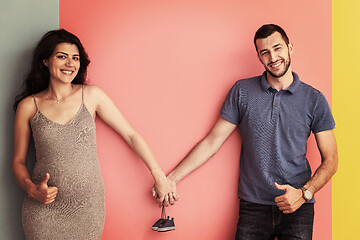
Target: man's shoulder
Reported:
[(308, 95), (308, 89), (249, 82)]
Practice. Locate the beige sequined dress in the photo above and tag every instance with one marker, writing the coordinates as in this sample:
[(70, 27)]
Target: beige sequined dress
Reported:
[(68, 152)]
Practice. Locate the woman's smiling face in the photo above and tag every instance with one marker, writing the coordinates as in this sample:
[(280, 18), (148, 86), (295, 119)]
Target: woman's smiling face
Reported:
[(64, 63)]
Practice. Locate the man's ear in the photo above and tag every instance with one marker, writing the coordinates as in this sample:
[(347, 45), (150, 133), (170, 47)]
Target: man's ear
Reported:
[(45, 62), (291, 48)]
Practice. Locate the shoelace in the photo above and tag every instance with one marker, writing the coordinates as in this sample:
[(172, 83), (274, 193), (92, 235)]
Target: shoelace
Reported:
[(163, 213)]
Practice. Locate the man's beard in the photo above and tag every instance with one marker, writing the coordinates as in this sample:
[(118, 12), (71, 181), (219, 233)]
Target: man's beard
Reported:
[(279, 75)]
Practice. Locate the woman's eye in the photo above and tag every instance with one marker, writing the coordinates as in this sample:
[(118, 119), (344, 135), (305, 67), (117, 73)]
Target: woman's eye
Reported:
[(76, 58), (61, 57)]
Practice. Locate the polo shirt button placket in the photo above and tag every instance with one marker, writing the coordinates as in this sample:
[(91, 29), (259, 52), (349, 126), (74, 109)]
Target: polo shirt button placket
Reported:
[(276, 105)]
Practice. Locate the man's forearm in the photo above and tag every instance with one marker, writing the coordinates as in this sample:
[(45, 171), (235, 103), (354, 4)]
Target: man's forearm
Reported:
[(199, 155), (329, 161), (204, 150), (323, 174)]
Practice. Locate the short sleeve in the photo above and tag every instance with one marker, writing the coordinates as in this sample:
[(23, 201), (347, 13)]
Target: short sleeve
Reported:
[(230, 109), (322, 117)]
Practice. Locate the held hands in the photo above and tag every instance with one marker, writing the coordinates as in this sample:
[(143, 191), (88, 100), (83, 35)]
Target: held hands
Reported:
[(164, 189), (291, 200), (42, 192)]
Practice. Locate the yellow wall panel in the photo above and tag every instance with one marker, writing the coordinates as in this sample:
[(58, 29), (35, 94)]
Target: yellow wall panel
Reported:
[(346, 108)]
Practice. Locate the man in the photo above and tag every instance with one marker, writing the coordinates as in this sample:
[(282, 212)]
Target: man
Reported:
[(275, 113)]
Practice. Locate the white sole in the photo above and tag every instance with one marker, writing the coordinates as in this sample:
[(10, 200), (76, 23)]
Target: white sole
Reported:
[(166, 229)]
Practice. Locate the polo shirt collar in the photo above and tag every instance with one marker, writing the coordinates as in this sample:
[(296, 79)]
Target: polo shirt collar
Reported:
[(292, 88)]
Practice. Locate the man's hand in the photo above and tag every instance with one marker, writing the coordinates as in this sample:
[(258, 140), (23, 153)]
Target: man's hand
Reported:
[(164, 192), (291, 200), (42, 192)]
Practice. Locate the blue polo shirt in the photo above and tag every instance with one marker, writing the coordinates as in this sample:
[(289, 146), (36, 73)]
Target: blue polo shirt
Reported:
[(274, 126)]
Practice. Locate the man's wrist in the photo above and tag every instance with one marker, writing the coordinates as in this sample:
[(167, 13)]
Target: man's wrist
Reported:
[(174, 177), (307, 195)]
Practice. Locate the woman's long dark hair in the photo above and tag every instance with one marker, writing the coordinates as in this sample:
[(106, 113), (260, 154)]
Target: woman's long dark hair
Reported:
[(38, 77)]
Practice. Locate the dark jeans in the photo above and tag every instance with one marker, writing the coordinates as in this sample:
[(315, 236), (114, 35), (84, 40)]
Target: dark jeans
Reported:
[(265, 222)]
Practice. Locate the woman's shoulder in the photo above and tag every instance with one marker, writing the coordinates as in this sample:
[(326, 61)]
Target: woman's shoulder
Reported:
[(27, 107), (94, 96), (27, 102), (93, 91)]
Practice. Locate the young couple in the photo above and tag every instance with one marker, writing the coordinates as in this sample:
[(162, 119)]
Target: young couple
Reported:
[(275, 113)]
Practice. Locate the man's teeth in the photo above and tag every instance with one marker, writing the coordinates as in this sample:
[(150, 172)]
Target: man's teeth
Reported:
[(276, 64)]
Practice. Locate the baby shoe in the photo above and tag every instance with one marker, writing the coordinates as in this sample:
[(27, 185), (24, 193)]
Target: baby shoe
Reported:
[(166, 225), (156, 225), (162, 219)]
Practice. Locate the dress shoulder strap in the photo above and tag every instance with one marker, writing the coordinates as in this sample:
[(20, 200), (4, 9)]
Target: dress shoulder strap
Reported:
[(37, 106), (83, 87)]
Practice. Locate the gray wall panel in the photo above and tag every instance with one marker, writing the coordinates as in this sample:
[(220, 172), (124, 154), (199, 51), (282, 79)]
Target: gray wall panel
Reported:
[(22, 23)]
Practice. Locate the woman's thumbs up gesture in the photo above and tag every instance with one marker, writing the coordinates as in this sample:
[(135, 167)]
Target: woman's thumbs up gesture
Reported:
[(42, 192)]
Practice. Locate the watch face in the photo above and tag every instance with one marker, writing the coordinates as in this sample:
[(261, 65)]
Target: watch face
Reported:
[(307, 194)]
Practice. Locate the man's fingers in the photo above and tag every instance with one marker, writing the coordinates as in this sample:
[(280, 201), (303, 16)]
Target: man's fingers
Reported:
[(287, 208), (282, 200), (278, 199), (166, 201), (281, 187), (281, 204), (171, 199), (175, 196)]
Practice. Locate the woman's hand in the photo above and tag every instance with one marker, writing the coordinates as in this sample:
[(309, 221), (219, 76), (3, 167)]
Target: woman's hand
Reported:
[(42, 192), (164, 189)]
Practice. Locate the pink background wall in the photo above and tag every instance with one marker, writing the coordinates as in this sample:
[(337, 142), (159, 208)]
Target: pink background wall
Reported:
[(168, 66)]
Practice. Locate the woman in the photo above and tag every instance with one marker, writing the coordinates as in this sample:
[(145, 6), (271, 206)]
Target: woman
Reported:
[(65, 195)]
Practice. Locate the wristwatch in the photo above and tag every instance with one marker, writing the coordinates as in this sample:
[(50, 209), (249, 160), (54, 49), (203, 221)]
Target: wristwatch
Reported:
[(307, 194)]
